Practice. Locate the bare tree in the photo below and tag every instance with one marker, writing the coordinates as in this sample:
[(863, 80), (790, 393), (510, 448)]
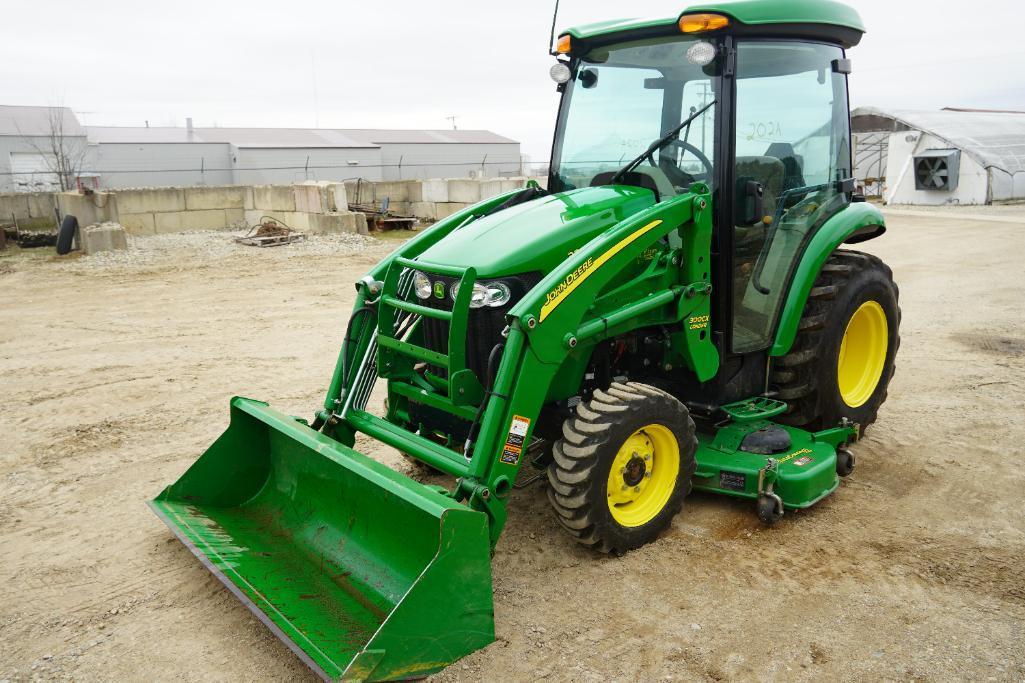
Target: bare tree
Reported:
[(62, 153)]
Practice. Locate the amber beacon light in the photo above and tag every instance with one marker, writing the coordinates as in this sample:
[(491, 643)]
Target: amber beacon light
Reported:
[(698, 23)]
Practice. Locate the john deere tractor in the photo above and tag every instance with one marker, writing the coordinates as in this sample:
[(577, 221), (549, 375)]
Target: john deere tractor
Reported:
[(676, 311)]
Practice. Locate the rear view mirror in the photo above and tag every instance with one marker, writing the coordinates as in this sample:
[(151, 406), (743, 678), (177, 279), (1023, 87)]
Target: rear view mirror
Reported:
[(588, 77)]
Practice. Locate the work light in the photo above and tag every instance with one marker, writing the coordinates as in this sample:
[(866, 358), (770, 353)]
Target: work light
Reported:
[(560, 73)]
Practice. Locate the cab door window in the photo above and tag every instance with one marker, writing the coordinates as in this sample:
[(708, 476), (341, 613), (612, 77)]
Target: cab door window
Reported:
[(792, 146)]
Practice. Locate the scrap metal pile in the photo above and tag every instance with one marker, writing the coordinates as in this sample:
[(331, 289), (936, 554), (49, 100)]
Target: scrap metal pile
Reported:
[(270, 232)]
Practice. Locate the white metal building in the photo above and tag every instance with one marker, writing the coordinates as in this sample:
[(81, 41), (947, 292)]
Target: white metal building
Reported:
[(133, 157), (25, 145), (116, 156), (950, 156)]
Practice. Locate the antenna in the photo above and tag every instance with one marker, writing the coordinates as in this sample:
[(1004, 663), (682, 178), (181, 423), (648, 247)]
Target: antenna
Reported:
[(551, 38)]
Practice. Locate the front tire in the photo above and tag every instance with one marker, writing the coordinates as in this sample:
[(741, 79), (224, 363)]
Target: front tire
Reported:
[(622, 467), (842, 359)]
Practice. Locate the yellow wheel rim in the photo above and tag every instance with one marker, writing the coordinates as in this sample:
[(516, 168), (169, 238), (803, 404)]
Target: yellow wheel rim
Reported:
[(862, 354), (643, 475)]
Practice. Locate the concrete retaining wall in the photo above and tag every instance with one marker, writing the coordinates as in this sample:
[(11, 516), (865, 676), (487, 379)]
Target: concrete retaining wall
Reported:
[(159, 211), (431, 199), (316, 207), (33, 210)]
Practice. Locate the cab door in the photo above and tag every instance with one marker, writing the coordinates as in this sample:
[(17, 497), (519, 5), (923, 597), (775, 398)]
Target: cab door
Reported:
[(792, 154)]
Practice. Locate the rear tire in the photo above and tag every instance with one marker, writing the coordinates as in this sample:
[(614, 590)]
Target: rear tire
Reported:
[(825, 378), (622, 467)]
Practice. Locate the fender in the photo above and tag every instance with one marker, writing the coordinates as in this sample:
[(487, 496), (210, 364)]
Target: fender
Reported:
[(856, 223)]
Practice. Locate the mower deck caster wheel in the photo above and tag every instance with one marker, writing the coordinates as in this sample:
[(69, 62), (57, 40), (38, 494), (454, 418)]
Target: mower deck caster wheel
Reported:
[(844, 462), (770, 508)]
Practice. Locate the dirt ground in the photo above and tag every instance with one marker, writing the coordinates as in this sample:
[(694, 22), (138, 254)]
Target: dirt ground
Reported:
[(116, 373)]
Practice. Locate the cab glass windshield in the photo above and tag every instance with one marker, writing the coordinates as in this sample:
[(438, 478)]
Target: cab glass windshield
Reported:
[(621, 99)]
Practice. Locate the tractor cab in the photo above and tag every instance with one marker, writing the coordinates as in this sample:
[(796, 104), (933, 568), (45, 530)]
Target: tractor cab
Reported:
[(758, 116)]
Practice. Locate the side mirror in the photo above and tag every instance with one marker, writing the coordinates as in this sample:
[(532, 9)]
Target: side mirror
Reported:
[(750, 201)]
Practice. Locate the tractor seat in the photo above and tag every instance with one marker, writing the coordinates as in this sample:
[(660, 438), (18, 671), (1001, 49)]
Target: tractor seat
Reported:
[(793, 164), (768, 171)]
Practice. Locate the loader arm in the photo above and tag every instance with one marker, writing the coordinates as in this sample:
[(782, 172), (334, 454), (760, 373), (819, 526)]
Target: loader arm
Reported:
[(559, 314)]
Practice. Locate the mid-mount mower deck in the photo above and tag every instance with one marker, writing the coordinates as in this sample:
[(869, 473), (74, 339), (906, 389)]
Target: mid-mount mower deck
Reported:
[(672, 312)]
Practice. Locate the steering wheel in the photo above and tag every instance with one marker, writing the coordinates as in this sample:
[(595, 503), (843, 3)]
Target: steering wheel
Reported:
[(675, 150)]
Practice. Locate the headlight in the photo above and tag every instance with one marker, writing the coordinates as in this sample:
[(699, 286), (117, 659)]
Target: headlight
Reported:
[(422, 285), (493, 294), (498, 293), (477, 299)]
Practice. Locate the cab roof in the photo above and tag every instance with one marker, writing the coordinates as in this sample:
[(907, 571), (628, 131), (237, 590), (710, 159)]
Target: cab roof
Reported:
[(823, 19)]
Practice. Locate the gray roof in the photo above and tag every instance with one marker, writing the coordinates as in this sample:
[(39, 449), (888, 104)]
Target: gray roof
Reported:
[(35, 121), (994, 139), (394, 136), (290, 137)]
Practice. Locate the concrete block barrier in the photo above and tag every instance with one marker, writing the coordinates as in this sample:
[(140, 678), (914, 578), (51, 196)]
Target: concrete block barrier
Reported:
[(103, 237)]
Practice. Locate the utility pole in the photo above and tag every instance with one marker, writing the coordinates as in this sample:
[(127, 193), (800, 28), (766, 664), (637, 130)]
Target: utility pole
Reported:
[(453, 120), (316, 98), (706, 91)]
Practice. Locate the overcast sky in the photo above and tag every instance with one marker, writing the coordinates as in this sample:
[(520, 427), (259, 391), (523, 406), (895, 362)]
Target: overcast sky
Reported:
[(388, 64)]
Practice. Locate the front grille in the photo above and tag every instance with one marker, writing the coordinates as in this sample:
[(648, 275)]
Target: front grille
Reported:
[(484, 326)]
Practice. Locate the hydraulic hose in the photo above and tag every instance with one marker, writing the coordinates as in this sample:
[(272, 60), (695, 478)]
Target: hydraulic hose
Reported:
[(496, 352), (319, 420), (347, 340)]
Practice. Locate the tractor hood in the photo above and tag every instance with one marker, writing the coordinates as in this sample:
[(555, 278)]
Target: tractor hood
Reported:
[(538, 235)]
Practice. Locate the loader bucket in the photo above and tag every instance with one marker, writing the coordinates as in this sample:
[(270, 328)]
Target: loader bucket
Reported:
[(363, 572)]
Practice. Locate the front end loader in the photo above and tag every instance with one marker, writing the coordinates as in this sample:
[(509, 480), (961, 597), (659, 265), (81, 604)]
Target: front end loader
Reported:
[(673, 312)]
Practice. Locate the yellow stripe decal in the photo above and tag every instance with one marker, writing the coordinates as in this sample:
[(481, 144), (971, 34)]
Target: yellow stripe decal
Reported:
[(574, 279)]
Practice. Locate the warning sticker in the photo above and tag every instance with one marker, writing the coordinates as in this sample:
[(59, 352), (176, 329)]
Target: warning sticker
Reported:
[(801, 462), (513, 448)]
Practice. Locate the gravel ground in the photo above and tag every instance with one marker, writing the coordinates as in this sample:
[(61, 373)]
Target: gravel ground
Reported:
[(117, 371), (204, 246), (1013, 210)]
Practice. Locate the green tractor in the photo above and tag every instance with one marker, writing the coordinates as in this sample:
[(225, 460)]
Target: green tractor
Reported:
[(674, 312)]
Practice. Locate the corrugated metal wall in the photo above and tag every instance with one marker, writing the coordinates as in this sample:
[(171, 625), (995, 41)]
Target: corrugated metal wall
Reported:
[(289, 165), (180, 164), (406, 161), (162, 164)]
